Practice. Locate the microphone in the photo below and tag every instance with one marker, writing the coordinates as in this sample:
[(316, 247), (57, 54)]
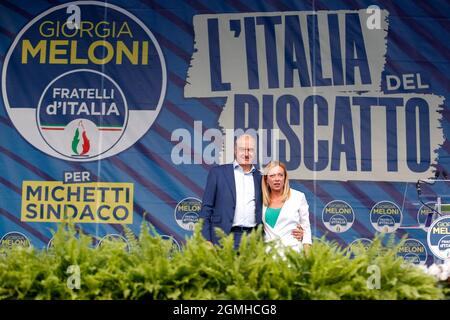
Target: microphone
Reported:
[(437, 173), (429, 219), (419, 190)]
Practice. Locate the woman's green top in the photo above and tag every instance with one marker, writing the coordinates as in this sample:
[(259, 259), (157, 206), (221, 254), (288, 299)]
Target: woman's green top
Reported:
[(272, 216)]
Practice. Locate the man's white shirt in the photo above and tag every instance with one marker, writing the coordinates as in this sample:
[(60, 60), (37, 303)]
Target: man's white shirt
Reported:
[(244, 214)]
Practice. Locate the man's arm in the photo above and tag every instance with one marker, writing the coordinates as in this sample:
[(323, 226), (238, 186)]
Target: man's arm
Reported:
[(304, 220), (208, 204)]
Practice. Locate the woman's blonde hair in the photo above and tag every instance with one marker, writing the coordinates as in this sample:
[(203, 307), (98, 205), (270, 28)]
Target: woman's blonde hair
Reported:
[(265, 186)]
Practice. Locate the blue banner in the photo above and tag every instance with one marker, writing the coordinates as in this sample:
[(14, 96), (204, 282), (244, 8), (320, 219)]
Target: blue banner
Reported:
[(114, 112)]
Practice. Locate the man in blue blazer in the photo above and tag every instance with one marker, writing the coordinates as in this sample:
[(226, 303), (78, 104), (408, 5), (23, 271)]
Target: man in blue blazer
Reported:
[(232, 200)]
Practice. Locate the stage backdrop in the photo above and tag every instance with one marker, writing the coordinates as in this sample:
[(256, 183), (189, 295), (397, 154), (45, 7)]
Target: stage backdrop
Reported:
[(114, 112)]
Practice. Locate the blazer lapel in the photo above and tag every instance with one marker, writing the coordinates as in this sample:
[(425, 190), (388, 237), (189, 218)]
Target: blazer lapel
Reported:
[(263, 216), (230, 181), (284, 210), (258, 196), (287, 209)]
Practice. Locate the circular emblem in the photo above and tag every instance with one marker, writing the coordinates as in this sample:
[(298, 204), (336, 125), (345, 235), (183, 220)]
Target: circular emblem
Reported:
[(13, 239), (438, 237), (413, 251), (92, 90), (81, 133), (187, 213), (50, 244), (385, 216), (113, 237), (338, 216), (363, 241), (175, 246)]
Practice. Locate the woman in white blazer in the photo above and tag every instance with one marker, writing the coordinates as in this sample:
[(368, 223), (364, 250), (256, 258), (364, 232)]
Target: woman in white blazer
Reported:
[(283, 209)]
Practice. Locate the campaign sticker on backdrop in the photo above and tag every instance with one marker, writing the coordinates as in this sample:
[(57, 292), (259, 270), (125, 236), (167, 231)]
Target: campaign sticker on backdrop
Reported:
[(385, 216), (187, 213), (423, 213), (338, 216), (175, 245), (14, 238), (413, 251), (354, 246), (438, 237), (364, 241), (50, 244), (114, 238), (92, 91)]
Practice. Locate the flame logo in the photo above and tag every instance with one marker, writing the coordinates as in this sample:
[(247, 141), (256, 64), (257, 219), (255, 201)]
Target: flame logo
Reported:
[(86, 145)]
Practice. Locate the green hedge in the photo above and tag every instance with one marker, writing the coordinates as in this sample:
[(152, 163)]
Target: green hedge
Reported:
[(152, 269)]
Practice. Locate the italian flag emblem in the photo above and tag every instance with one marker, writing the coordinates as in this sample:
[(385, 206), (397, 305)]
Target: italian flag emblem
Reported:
[(80, 147)]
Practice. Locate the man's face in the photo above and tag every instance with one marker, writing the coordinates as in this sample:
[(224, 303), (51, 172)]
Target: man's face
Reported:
[(244, 151)]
